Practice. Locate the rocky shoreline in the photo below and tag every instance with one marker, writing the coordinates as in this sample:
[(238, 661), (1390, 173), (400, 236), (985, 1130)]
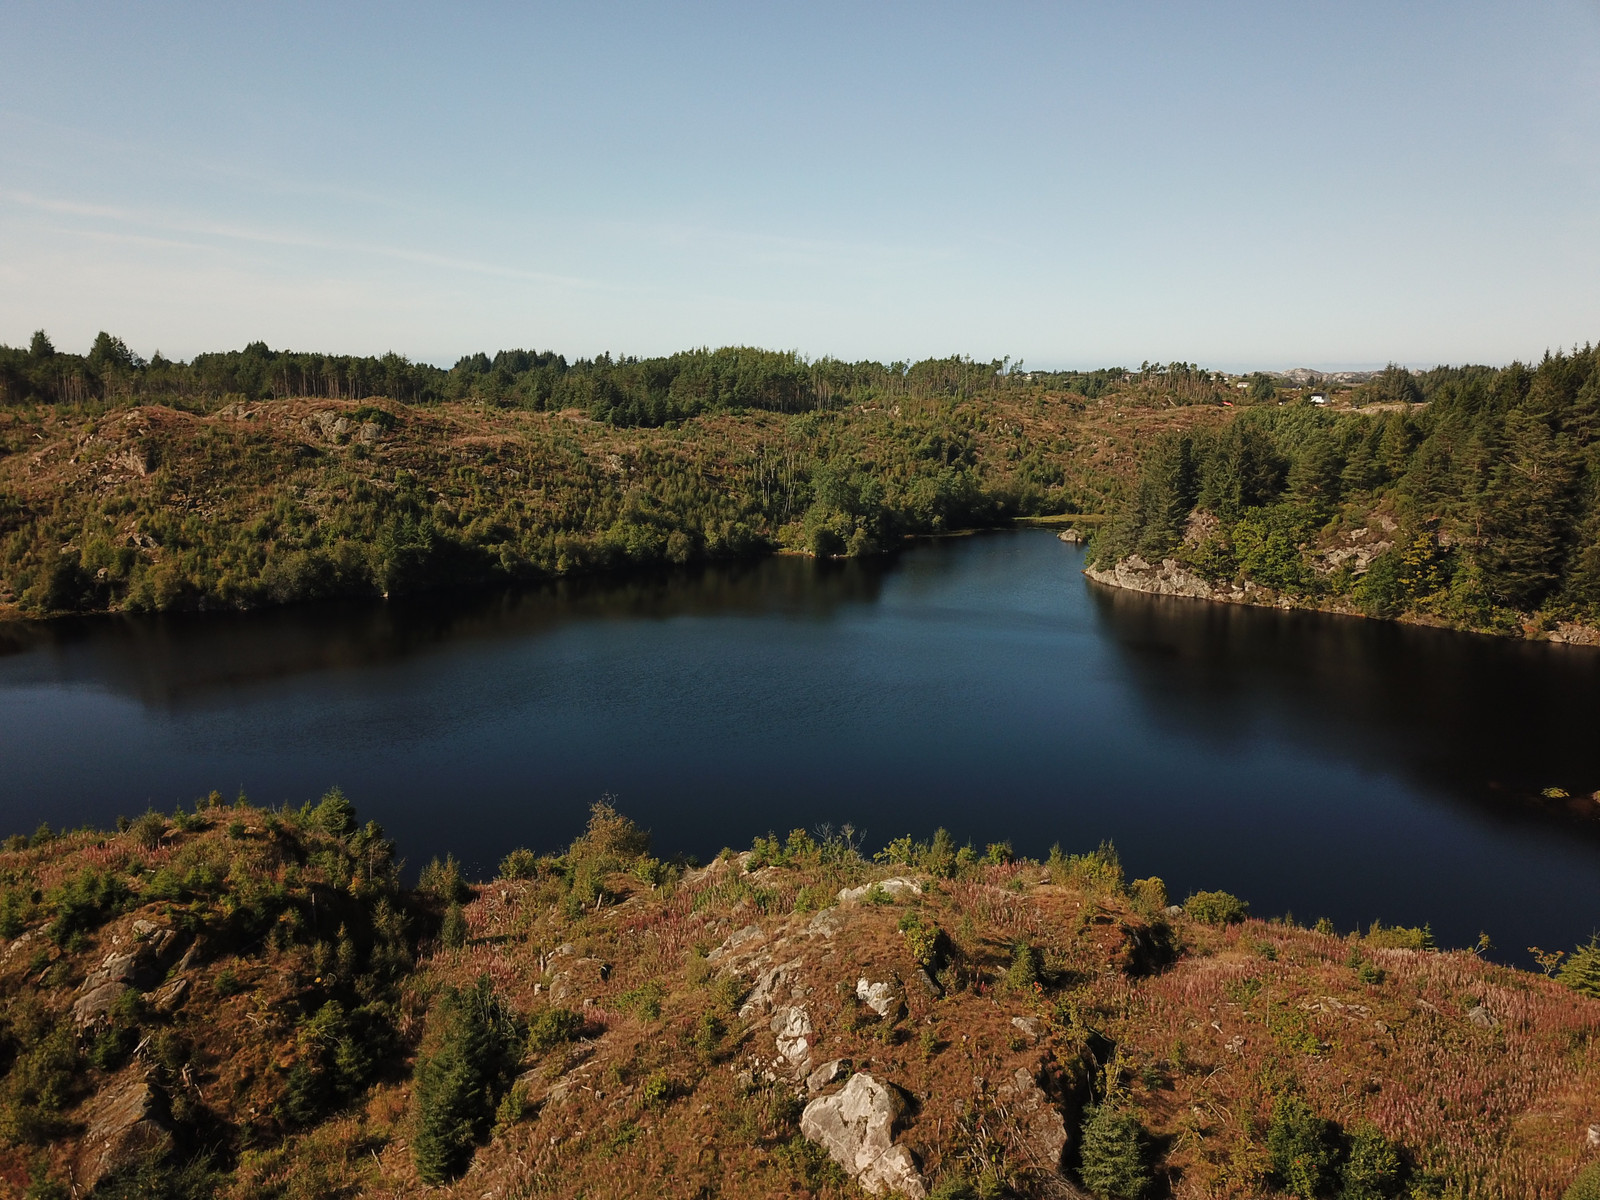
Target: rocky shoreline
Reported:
[(1170, 577)]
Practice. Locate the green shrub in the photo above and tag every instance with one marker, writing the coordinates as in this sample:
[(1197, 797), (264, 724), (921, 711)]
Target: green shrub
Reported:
[(1581, 971), (551, 1027), (521, 863), (1150, 894), (644, 1000), (460, 1083), (148, 829), (1399, 937), (453, 931), (334, 815), (1586, 1186), (1373, 1168), (337, 1055), (1026, 966), (658, 1090), (84, 901), (1114, 1158), (926, 941), (1098, 871), (1304, 1149), (1216, 908), (443, 881)]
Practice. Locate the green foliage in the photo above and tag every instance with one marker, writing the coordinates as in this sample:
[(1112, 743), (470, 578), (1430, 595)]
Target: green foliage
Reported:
[(1493, 484), (927, 942), (551, 1027), (453, 930), (520, 864), (658, 1089), (1304, 1149), (476, 1042), (84, 901), (1216, 908), (1099, 871), (644, 1000), (442, 880), (44, 1077), (337, 1054), (1114, 1154), (1399, 937), (1373, 1168), (1581, 971), (1586, 1186), (1026, 967)]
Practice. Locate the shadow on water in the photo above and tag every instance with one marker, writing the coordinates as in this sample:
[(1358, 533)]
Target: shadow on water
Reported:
[(1486, 721), (177, 660)]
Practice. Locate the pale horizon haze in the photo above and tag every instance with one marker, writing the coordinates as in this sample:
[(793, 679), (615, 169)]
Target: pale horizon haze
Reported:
[(1243, 185)]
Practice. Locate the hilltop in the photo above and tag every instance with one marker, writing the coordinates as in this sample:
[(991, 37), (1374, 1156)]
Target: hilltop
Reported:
[(243, 1002)]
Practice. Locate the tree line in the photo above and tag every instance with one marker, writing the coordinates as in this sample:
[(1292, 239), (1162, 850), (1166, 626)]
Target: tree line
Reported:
[(622, 390)]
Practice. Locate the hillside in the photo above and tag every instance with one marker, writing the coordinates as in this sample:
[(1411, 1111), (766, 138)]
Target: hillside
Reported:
[(1467, 497), (244, 1002), (143, 501)]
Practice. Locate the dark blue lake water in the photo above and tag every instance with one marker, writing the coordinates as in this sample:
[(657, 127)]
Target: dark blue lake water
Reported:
[(1327, 766)]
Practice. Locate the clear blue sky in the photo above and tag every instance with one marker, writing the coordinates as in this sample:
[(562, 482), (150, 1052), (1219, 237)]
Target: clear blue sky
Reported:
[(1243, 185)]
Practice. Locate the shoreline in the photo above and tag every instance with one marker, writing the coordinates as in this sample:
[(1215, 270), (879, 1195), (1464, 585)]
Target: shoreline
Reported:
[(1172, 578)]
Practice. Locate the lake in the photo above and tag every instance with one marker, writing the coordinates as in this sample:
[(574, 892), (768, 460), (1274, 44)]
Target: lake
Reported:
[(1321, 765)]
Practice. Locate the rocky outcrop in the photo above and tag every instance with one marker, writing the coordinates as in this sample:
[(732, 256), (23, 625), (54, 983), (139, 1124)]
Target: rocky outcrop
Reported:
[(140, 965), (856, 1127), (1171, 578), (123, 1124), (791, 1028), (896, 888), (1037, 1127)]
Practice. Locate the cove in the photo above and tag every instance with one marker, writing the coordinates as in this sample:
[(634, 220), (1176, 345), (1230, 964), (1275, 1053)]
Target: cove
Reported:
[(1322, 765)]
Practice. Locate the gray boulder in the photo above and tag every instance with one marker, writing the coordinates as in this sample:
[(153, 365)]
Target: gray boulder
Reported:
[(856, 1127), (123, 1124)]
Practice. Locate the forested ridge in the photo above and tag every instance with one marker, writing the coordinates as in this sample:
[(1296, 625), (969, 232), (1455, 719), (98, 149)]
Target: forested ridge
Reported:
[(261, 477), (1472, 498)]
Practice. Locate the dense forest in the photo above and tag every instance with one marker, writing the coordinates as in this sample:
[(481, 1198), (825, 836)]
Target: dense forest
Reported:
[(262, 477), (1470, 495)]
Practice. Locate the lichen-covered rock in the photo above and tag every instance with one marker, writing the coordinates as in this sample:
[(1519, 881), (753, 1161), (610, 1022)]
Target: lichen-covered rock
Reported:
[(885, 998), (856, 1127), (772, 987), (791, 1027), (123, 1124)]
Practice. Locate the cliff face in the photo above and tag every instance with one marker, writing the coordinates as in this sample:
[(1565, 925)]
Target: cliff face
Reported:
[(246, 1003)]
